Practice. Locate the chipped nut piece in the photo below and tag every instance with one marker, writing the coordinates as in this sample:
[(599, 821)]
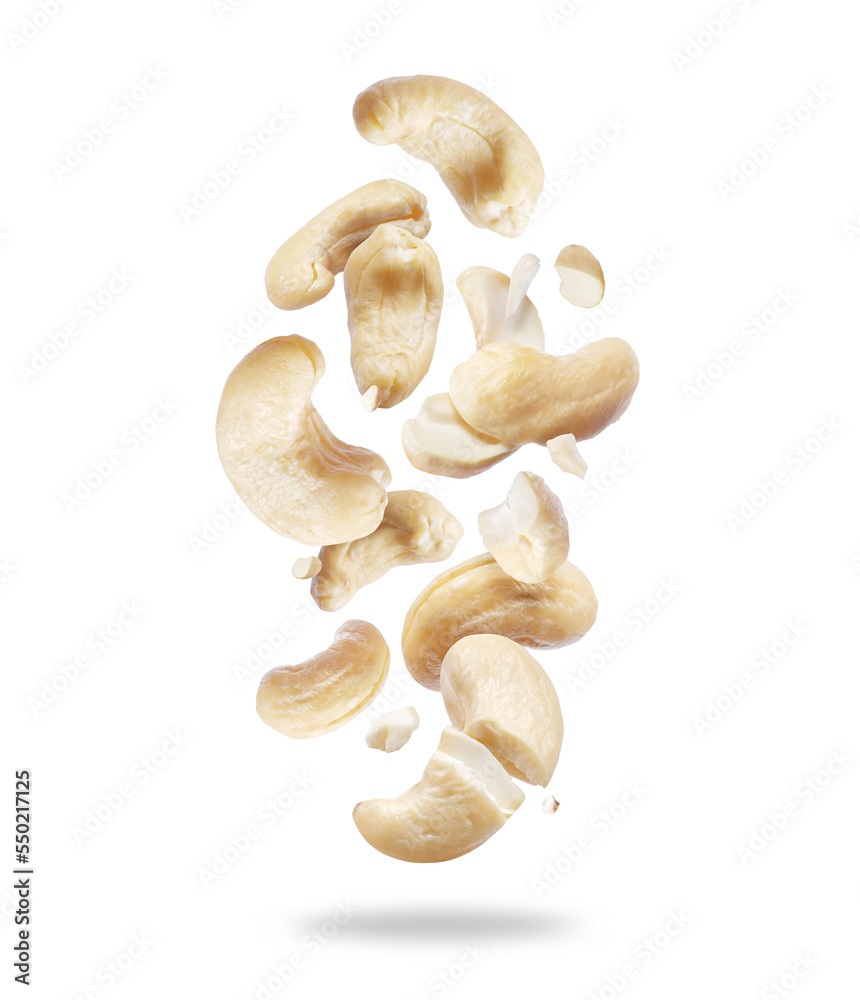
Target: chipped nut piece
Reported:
[(439, 442), (550, 804), (484, 158), (394, 293), (327, 690), (370, 398), (306, 567), (496, 692), (522, 276), (393, 730), (283, 461), (582, 281), (302, 270), (415, 528), (527, 534), (462, 799), (485, 292), (520, 396), (565, 454), (478, 596)]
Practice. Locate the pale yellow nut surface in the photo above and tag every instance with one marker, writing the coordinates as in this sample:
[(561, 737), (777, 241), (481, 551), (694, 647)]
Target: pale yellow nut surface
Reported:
[(415, 528), (496, 692), (462, 799), (284, 462), (527, 534), (327, 690), (485, 159), (477, 596), (565, 454), (394, 293), (520, 396), (302, 269), (582, 281), (485, 292), (392, 731)]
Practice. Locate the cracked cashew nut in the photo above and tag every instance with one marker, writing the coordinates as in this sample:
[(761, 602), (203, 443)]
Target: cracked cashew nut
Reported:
[(393, 730), (484, 158), (306, 567), (582, 281), (496, 692), (521, 396), (284, 462), (486, 292), (394, 293), (478, 596), (415, 528), (327, 690), (566, 455), (462, 799), (302, 269), (527, 533), (522, 276)]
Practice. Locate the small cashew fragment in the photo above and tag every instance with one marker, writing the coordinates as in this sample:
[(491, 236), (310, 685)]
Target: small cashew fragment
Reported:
[(415, 528), (550, 804), (394, 293), (565, 454), (284, 462), (582, 281), (521, 396), (462, 799), (484, 158), (327, 690), (485, 292), (478, 596), (522, 276), (497, 693), (306, 567), (370, 398), (392, 731), (438, 441), (527, 534), (302, 270)]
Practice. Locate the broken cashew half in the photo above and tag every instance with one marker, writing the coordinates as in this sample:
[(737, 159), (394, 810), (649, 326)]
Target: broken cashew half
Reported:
[(415, 528), (582, 281), (302, 270), (284, 462), (486, 293), (462, 799), (496, 692), (393, 730), (394, 293), (484, 158), (478, 596), (327, 690)]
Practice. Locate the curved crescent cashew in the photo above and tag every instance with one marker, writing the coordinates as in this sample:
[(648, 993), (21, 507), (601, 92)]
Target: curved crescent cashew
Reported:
[(282, 459), (484, 158), (486, 292), (302, 270)]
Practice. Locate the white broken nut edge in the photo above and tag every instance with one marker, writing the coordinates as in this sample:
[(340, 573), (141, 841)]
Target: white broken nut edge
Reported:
[(550, 804), (306, 567), (522, 276), (486, 293), (392, 731), (566, 455), (582, 281)]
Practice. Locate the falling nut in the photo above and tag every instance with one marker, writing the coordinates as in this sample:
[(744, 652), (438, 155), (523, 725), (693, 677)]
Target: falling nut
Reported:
[(478, 597), (527, 534), (520, 396), (550, 804), (582, 281), (484, 158), (496, 692), (415, 528), (486, 294), (284, 462), (394, 293), (462, 799), (327, 690), (393, 730), (566, 455), (522, 276), (306, 567), (302, 270)]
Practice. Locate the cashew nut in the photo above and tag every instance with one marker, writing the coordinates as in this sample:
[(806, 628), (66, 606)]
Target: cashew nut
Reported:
[(550, 804), (415, 528), (327, 690), (498, 693), (582, 281), (565, 454), (306, 567), (522, 276), (484, 158), (519, 395), (486, 294), (392, 731), (527, 534), (478, 596), (462, 799), (282, 459), (394, 294), (302, 270), (438, 441)]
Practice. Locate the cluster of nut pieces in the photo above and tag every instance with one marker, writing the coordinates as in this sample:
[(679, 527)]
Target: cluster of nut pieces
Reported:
[(466, 632)]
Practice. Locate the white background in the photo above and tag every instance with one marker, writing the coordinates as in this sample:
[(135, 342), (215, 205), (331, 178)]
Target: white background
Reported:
[(641, 146)]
